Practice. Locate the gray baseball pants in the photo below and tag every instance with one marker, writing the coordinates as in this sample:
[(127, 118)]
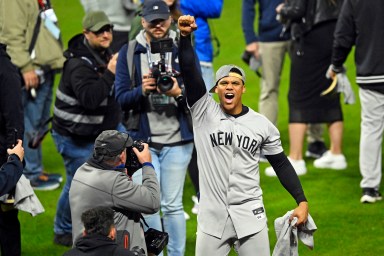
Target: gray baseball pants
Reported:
[(371, 137), (256, 244)]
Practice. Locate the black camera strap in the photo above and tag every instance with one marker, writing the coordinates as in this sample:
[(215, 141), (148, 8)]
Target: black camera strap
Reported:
[(142, 218), (36, 31)]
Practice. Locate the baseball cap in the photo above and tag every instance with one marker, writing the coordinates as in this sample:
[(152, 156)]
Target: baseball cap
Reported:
[(228, 70), (154, 10), (95, 20), (112, 142)]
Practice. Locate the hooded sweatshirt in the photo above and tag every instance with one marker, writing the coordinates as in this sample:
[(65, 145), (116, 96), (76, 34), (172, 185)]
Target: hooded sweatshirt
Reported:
[(97, 245)]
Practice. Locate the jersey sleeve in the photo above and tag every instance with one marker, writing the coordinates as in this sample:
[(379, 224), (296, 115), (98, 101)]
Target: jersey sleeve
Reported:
[(193, 80), (272, 143)]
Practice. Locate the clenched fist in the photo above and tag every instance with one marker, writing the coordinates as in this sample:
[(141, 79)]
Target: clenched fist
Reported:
[(186, 24)]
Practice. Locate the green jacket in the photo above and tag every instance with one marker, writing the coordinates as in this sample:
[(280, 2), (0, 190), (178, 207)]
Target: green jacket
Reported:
[(17, 23)]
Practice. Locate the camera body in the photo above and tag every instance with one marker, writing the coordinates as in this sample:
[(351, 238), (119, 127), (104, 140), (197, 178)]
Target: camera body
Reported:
[(161, 70), (132, 163), (155, 240), (163, 78)]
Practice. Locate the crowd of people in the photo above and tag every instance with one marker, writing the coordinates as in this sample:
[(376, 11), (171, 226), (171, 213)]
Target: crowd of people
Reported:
[(136, 86)]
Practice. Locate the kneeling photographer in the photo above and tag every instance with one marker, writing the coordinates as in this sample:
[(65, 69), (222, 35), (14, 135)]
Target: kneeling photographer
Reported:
[(104, 181), (150, 92)]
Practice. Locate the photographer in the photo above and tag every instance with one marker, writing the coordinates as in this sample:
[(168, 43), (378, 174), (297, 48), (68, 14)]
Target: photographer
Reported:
[(103, 181), (99, 235), (85, 106), (158, 115)]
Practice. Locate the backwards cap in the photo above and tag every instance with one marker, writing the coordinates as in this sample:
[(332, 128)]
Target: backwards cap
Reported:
[(112, 143), (228, 70)]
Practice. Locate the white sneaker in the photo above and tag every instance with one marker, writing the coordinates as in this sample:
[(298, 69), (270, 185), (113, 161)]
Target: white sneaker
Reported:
[(331, 161), (298, 165), (269, 171), (195, 209), (370, 195)]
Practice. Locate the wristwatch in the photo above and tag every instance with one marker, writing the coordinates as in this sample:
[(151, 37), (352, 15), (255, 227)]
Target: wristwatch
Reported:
[(179, 97)]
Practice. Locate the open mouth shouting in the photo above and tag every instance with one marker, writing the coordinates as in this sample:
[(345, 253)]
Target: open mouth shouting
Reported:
[(229, 95)]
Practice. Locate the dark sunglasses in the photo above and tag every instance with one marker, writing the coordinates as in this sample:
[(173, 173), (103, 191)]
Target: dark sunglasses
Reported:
[(101, 31)]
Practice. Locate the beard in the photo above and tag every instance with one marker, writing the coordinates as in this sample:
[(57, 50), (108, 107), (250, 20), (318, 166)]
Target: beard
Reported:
[(153, 37)]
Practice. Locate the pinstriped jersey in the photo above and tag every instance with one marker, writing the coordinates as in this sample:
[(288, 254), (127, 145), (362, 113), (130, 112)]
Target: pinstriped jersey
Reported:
[(228, 151)]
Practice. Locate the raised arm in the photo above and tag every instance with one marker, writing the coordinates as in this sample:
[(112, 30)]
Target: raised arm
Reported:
[(193, 81)]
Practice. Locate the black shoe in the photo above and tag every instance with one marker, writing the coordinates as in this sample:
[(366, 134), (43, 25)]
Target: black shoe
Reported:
[(63, 239), (316, 149), (370, 195)]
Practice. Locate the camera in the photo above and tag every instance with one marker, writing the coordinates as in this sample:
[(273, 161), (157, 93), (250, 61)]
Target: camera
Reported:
[(162, 71), (132, 164), (155, 240)]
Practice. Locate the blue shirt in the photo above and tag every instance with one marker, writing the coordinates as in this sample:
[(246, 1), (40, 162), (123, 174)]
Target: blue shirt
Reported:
[(202, 10)]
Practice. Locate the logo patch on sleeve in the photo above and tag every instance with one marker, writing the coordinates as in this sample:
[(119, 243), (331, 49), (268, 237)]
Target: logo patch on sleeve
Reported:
[(259, 213)]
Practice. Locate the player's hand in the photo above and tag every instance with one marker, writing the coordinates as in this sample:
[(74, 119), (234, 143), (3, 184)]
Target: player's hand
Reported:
[(186, 24), (143, 156), (17, 149), (112, 63), (301, 212)]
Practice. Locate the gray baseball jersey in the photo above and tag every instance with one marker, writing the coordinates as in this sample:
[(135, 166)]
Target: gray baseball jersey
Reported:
[(228, 151)]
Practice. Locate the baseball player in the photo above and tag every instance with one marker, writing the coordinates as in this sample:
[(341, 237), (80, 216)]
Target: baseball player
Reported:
[(229, 139)]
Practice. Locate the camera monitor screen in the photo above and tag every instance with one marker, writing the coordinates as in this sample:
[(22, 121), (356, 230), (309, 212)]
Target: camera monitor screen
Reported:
[(162, 45)]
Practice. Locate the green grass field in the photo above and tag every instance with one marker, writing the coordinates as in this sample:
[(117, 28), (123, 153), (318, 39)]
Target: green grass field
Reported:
[(345, 226)]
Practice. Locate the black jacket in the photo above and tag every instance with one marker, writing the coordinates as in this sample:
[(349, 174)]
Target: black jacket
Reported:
[(85, 104), (303, 15), (10, 173), (97, 245), (11, 109), (361, 23)]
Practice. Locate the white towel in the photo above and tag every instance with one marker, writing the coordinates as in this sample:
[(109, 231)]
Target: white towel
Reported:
[(288, 235), (25, 198)]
